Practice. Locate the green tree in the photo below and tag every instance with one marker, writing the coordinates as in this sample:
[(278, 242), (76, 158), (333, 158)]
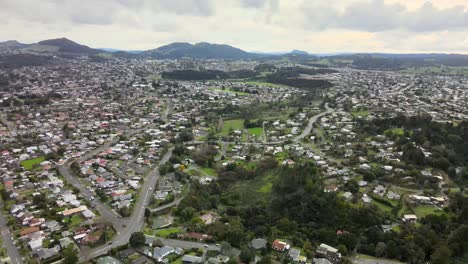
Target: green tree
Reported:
[(246, 255), (441, 255), (137, 239), (69, 255)]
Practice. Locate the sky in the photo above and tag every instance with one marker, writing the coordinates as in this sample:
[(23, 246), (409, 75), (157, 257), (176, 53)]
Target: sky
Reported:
[(316, 26)]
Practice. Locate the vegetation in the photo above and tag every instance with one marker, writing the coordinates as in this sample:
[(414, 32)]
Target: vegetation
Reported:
[(137, 239), (29, 164)]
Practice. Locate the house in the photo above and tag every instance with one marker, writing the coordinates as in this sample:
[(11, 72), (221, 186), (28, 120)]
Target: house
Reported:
[(188, 259), (160, 253), (74, 210), (294, 254), (46, 253), (410, 218), (321, 261), (331, 188), (347, 195), (279, 245), (380, 190), (209, 218), (366, 199), (328, 251), (29, 230), (196, 236), (36, 244), (258, 243), (393, 196)]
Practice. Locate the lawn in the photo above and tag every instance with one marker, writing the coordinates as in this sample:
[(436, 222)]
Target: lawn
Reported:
[(228, 125), (382, 206), (28, 164), (177, 261), (395, 131), (209, 171), (266, 184), (257, 131), (74, 221), (164, 233), (360, 113), (424, 210)]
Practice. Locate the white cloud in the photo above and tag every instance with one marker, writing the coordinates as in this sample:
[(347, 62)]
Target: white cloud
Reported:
[(262, 25)]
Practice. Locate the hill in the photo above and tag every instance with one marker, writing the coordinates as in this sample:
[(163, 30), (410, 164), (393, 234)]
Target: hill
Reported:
[(11, 44), (68, 46), (200, 50)]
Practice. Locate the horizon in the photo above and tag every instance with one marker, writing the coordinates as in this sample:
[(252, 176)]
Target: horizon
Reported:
[(112, 49), (354, 26)]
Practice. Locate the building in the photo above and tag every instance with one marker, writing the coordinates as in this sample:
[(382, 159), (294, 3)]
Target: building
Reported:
[(279, 245)]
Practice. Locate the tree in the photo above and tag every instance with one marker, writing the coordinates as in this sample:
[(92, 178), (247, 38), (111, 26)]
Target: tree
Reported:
[(352, 186), (69, 255), (246, 255), (265, 260), (137, 239), (441, 255)]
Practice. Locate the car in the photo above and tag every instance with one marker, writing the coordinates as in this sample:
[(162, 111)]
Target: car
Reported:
[(205, 246), (218, 245)]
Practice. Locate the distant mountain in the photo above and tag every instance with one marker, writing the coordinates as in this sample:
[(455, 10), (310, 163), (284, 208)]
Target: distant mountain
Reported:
[(301, 52), (68, 46), (200, 50), (121, 50), (12, 44)]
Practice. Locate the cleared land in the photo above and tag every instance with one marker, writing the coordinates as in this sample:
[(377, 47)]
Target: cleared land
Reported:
[(228, 125), (29, 164)]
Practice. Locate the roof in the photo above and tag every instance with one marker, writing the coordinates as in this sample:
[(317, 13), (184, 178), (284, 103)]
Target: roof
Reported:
[(29, 230), (191, 259), (328, 248), (258, 243), (74, 210), (279, 245), (108, 260)]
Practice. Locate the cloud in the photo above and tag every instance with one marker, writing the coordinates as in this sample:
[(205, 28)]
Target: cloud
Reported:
[(262, 25), (379, 15)]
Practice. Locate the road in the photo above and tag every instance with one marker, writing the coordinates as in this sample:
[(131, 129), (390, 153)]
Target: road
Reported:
[(168, 110), (8, 243), (169, 205), (312, 120), (106, 212), (188, 244), (136, 221), (297, 139), (11, 126)]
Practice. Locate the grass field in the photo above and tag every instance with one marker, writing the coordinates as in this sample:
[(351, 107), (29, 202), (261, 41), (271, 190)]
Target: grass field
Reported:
[(209, 171), (229, 125), (164, 233), (424, 210), (265, 184), (154, 77), (28, 164), (257, 131), (395, 131), (360, 113), (382, 206)]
